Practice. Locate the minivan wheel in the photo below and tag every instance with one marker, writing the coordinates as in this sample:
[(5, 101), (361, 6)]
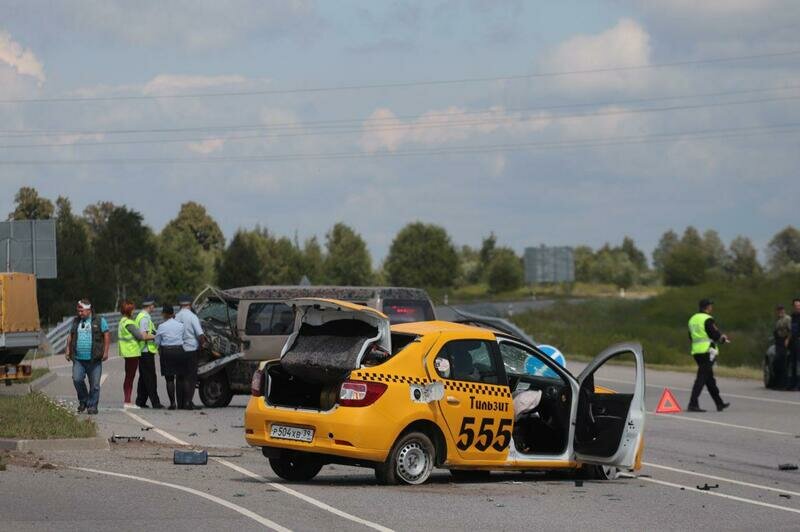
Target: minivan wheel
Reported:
[(215, 392), (295, 467), (410, 460)]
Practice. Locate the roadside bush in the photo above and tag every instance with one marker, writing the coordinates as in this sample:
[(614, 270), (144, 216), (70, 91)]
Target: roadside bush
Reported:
[(505, 271)]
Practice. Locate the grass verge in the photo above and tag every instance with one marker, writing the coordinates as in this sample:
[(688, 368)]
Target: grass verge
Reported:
[(34, 416), (480, 292), (743, 310)]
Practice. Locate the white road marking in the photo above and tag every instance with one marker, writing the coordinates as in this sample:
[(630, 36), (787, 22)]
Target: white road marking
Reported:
[(103, 379), (260, 478), (729, 425), (301, 496), (694, 490), (737, 396), (235, 507), (722, 479)]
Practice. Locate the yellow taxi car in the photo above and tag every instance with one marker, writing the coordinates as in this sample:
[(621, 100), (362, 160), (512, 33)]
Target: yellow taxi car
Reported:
[(405, 399)]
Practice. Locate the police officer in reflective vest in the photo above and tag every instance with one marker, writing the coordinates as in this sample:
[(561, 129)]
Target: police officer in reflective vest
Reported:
[(147, 387), (705, 337)]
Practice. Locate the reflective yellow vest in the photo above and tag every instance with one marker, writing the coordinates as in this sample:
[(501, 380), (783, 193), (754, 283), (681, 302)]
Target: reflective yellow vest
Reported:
[(701, 342), (146, 345), (128, 345)]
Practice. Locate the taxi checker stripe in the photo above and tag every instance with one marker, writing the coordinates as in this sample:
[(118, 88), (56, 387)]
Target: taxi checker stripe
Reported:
[(479, 388)]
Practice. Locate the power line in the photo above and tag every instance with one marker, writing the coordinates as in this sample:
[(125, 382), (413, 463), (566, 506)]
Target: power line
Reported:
[(326, 130), (720, 133), (400, 84)]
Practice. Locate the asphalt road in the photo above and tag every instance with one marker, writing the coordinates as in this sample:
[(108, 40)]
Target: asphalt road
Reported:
[(135, 486)]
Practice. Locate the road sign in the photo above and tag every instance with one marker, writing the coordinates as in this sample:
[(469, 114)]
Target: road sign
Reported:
[(29, 246), (668, 404)]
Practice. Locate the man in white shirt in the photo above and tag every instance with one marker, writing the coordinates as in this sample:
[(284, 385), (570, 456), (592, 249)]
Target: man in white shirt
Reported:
[(193, 339)]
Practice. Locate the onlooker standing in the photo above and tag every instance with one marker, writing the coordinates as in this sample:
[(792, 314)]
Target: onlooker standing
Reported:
[(794, 345), (781, 333), (174, 361), (147, 387), (128, 338), (87, 348), (705, 337), (193, 338)]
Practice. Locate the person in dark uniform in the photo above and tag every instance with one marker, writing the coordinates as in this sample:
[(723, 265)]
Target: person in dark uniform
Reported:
[(705, 336), (781, 333), (174, 360), (794, 346)]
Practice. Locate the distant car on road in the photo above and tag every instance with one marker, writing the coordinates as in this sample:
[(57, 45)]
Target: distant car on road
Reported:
[(404, 399)]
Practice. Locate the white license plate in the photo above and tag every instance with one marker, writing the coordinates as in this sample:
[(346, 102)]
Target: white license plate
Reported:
[(285, 432)]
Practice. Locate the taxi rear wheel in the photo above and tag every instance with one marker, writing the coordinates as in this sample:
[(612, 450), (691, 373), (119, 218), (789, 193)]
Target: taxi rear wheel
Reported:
[(295, 466), (410, 461)]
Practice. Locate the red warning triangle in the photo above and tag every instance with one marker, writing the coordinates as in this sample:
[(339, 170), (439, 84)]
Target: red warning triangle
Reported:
[(668, 404)]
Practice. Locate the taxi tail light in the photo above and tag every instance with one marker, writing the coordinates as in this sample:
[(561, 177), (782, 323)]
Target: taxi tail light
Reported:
[(358, 393), (257, 384)]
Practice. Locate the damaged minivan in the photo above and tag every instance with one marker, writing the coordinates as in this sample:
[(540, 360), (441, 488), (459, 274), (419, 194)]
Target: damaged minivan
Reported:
[(251, 324), (407, 398)]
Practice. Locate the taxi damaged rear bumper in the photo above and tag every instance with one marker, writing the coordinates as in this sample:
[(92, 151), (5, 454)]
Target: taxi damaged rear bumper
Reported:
[(338, 432)]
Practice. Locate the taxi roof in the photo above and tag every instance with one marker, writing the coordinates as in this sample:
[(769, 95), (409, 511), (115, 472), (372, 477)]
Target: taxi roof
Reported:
[(433, 327)]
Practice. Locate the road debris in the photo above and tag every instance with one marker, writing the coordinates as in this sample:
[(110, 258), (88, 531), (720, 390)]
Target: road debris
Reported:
[(787, 467), (706, 487), (578, 483), (115, 438), (190, 457), (785, 495)]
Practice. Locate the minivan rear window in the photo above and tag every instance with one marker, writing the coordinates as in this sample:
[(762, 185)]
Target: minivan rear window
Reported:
[(407, 310)]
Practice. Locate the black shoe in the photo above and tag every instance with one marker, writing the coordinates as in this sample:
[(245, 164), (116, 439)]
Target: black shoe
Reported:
[(694, 408), (158, 406), (172, 407), (81, 407), (142, 405), (722, 406), (92, 411)]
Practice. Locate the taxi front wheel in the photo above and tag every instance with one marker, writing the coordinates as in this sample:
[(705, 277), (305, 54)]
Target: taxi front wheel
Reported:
[(410, 461), (295, 467)]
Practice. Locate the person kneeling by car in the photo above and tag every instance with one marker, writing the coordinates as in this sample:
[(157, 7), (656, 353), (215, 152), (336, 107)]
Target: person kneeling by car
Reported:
[(175, 361)]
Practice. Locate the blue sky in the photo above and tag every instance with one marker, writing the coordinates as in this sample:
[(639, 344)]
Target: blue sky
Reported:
[(548, 192)]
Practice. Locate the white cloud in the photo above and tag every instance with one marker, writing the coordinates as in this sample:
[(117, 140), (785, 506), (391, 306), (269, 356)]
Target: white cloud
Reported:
[(23, 60), (626, 44), (174, 83), (206, 146), (383, 130)]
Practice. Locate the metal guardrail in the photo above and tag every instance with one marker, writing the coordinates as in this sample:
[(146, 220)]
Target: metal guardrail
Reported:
[(57, 336)]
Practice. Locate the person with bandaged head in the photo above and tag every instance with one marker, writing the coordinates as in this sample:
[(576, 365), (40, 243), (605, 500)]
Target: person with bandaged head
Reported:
[(87, 349)]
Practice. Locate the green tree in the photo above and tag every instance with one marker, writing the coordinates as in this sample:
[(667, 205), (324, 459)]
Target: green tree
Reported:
[(422, 255), (283, 261), (665, 246), (242, 261), (714, 250), (744, 259), (684, 266), (313, 260), (57, 296), (691, 237), (634, 254), (584, 258), (469, 261), (505, 271), (96, 216), (122, 255), (30, 206), (182, 265), (347, 261), (783, 250), (194, 219), (614, 266), (485, 254)]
